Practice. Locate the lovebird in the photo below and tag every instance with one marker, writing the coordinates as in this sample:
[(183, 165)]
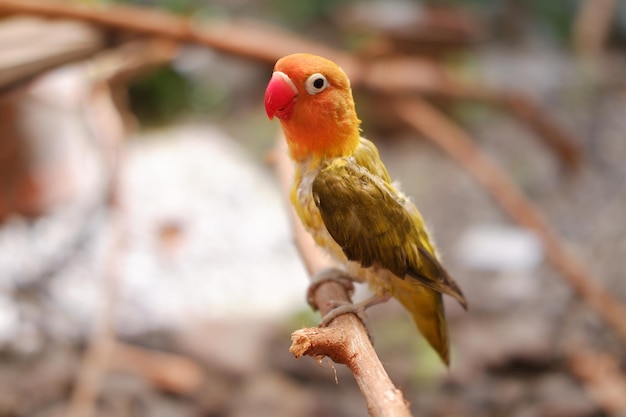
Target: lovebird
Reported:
[(345, 198)]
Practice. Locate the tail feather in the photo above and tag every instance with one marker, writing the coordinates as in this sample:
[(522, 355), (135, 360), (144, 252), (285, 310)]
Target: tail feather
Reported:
[(427, 309), (433, 275)]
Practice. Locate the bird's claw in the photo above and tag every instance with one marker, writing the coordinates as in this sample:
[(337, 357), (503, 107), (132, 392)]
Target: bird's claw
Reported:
[(339, 308), (329, 275), (358, 309), (342, 307)]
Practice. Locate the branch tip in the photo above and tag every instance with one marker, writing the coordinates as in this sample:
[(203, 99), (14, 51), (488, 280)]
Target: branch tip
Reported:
[(300, 343)]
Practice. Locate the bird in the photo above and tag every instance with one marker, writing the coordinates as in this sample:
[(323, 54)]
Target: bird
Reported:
[(347, 201)]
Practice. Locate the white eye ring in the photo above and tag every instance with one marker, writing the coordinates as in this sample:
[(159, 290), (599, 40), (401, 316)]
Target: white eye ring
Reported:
[(316, 83)]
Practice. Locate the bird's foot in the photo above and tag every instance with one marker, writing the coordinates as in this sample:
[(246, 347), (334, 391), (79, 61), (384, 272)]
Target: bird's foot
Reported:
[(346, 307), (339, 308), (332, 275)]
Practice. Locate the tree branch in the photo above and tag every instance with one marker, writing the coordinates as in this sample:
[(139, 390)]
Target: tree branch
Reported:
[(345, 340)]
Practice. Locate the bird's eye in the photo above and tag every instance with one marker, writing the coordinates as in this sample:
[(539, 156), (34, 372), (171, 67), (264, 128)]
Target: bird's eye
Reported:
[(316, 83)]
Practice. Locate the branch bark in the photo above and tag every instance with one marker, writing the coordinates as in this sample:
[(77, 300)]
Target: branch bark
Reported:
[(345, 340)]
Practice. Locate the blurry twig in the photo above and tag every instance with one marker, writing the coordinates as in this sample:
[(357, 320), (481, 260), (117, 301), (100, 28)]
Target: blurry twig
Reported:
[(106, 124), (438, 128), (345, 340), (601, 375), (168, 372), (592, 25), (132, 59), (534, 116), (96, 359), (31, 46)]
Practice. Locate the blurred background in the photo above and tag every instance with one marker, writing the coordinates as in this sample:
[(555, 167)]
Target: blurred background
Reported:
[(147, 265)]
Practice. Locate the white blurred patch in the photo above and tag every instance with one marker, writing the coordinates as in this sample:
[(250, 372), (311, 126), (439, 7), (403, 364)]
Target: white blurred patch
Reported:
[(499, 248), (209, 231), (9, 320), (207, 236)]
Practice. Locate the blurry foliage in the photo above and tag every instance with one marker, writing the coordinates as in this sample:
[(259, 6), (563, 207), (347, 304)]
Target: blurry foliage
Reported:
[(159, 96), (558, 16), (621, 21), (553, 17), (286, 12), (164, 95), (303, 318), (296, 14), (180, 7)]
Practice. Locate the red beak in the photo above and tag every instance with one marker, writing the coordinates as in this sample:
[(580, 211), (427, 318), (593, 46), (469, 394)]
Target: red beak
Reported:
[(280, 96)]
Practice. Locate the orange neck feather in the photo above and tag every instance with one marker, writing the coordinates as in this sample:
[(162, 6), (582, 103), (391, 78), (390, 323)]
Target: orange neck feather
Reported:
[(321, 131)]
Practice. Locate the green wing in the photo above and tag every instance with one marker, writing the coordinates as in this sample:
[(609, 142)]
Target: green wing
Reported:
[(377, 227)]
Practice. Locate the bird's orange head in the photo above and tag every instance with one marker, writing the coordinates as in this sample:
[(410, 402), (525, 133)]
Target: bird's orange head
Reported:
[(311, 97)]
